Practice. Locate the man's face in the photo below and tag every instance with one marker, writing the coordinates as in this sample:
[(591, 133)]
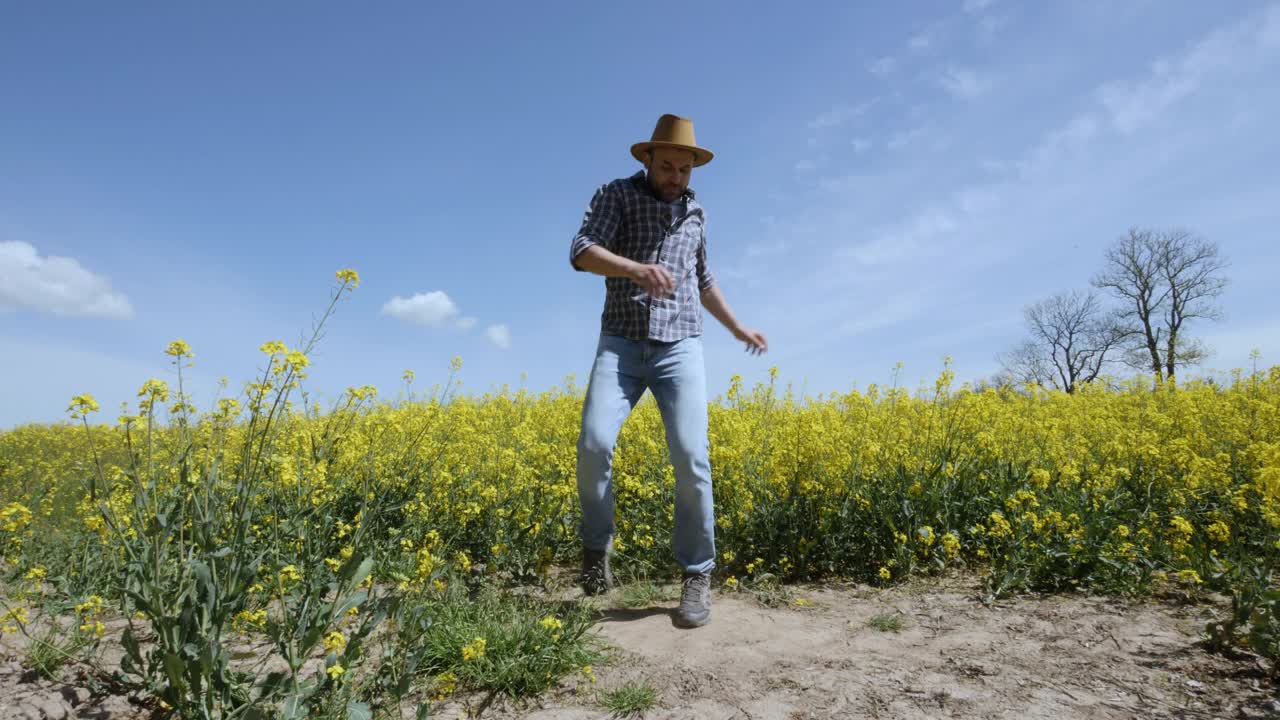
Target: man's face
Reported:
[(669, 171)]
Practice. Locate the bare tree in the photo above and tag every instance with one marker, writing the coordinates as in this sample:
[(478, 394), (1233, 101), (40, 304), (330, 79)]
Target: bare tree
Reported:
[(1026, 364), (1163, 279), (1072, 339)]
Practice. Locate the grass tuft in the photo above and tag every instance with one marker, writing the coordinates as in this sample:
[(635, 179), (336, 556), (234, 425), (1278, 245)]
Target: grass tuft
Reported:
[(499, 641), (630, 700), (886, 623), (646, 594)]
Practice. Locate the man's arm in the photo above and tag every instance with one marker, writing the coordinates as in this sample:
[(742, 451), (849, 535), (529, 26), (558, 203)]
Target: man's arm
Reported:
[(599, 225), (653, 278), (713, 300)]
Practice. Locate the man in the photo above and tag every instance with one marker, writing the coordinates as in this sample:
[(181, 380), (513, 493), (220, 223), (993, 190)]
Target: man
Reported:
[(646, 235)]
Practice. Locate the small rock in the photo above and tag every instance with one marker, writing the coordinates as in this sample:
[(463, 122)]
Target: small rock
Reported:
[(55, 709), (75, 696), (112, 706)]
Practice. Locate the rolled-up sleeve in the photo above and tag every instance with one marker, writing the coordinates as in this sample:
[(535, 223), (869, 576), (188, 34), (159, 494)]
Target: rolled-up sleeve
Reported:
[(599, 224), (705, 278)]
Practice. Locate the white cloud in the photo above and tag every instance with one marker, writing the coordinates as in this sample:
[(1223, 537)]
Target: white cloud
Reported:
[(891, 311), (909, 241), (883, 66), (57, 285), (964, 83), (853, 318), (759, 249), (838, 115), (1061, 143), (430, 309), (989, 25), (466, 323), (1132, 106), (1127, 107), (499, 335), (902, 139), (870, 255)]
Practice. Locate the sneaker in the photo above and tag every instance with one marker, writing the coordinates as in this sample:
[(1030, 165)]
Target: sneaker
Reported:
[(596, 577), (695, 601)]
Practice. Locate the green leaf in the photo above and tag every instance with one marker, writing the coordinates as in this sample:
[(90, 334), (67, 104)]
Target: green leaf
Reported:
[(173, 667), (351, 601), (312, 637), (204, 577), (130, 644), (294, 708), (271, 685), (139, 601), (359, 711), (356, 569)]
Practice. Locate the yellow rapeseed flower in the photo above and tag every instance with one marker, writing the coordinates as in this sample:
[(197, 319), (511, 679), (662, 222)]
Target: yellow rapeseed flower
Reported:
[(81, 405), (446, 684), (12, 620), (1219, 532), (334, 642), (179, 349), (274, 347), (348, 277), (951, 545), (473, 650)]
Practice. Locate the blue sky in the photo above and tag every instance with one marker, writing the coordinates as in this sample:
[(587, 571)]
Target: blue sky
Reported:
[(891, 183)]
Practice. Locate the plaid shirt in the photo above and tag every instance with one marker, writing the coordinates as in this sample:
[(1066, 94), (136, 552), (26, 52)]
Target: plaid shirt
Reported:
[(628, 220)]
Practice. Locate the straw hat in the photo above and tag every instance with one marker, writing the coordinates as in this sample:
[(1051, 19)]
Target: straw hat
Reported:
[(673, 131)]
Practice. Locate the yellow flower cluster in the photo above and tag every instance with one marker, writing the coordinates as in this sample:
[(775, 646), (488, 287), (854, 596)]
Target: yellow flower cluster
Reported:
[(250, 619), (473, 650), (13, 620), (446, 684), (334, 642), (877, 483), (87, 612), (14, 517)]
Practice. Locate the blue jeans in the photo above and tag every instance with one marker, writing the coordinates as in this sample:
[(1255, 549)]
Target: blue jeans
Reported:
[(676, 375)]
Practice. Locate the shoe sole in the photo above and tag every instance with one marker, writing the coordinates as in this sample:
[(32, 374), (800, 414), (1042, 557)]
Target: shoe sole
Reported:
[(685, 621)]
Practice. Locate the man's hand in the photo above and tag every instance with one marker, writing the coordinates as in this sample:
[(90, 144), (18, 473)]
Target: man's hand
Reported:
[(653, 278), (755, 340), (713, 300)]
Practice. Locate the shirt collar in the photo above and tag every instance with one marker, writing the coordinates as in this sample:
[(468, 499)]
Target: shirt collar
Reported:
[(642, 184)]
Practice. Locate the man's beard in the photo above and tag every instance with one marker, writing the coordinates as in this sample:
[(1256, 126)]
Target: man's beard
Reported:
[(665, 193)]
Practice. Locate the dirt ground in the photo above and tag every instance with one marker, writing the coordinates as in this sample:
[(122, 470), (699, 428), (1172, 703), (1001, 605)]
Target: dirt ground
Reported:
[(954, 657)]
